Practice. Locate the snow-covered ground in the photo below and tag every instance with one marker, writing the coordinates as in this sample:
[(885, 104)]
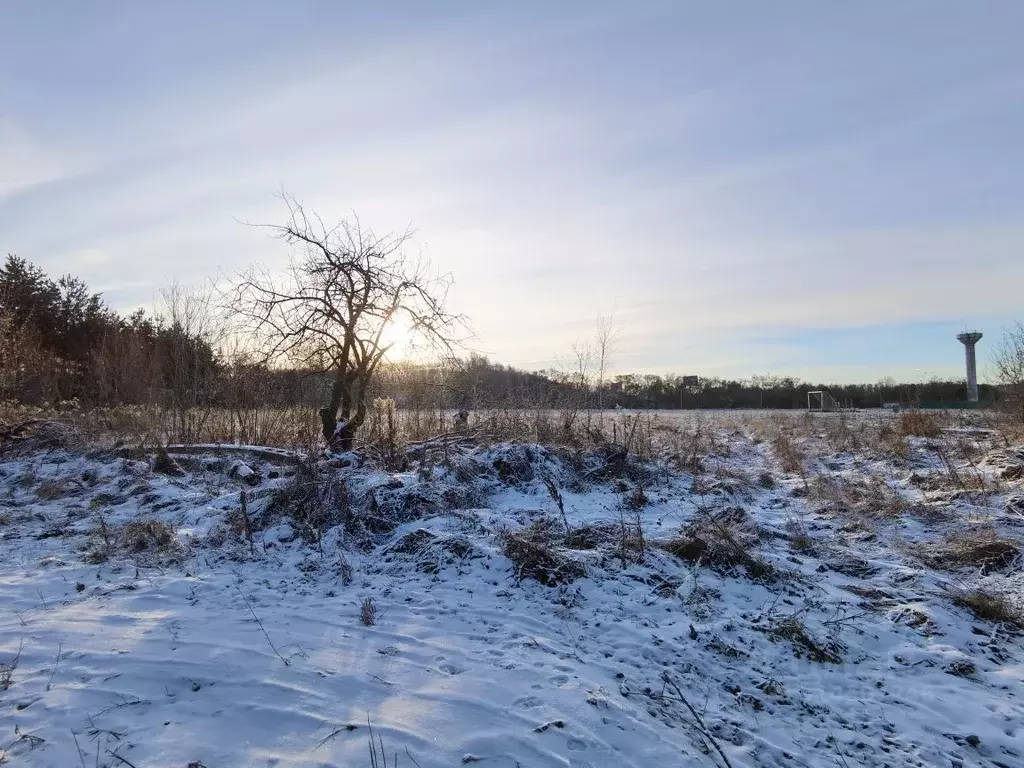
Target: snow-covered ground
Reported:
[(809, 618)]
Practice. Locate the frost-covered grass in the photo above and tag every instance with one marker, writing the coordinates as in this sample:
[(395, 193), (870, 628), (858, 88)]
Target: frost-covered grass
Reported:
[(765, 590)]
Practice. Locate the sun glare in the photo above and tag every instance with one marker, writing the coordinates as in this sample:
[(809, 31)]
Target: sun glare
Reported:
[(400, 339)]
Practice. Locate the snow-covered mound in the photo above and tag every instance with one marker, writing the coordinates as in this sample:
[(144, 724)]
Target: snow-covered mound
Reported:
[(513, 605)]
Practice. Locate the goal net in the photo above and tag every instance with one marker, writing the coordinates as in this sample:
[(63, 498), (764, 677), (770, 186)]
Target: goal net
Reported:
[(821, 400)]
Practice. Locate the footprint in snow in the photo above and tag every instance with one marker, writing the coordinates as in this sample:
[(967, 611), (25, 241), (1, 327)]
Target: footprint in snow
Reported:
[(528, 702), (450, 669), (576, 745)]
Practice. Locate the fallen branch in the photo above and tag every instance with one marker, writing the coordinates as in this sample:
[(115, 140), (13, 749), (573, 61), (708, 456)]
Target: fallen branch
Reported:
[(701, 727), (273, 455), (49, 683), (123, 760), (262, 628), (335, 732), (447, 440)]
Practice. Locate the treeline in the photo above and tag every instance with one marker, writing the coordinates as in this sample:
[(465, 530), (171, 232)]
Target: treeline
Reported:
[(61, 342), (649, 391)]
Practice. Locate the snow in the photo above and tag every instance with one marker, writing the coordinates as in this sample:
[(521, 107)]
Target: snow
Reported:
[(214, 653)]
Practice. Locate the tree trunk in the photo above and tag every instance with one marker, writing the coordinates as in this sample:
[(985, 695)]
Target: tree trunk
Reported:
[(340, 433), (337, 435)]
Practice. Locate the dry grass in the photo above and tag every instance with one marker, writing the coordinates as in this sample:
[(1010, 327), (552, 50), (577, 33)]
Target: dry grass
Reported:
[(721, 542), (792, 630), (989, 606), (51, 490), (790, 457), (313, 499), (385, 435), (534, 556), (134, 537), (983, 549), (865, 496), (148, 536), (588, 537), (368, 612), (890, 441), (800, 541), (919, 424), (7, 668)]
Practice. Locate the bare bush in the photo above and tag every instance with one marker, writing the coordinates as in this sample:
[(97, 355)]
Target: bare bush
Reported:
[(1009, 368)]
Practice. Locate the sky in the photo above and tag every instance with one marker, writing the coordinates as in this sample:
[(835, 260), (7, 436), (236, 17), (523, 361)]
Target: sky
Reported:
[(824, 189)]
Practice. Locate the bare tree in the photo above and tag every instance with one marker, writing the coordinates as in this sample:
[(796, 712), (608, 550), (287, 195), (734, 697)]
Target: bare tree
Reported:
[(343, 287), (580, 370), (604, 349), (192, 332), (1009, 367)]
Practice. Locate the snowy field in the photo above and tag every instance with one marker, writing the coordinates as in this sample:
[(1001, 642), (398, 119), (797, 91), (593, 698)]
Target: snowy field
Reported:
[(766, 590)]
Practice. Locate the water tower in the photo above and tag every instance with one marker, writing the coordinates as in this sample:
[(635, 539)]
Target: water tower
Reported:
[(969, 339)]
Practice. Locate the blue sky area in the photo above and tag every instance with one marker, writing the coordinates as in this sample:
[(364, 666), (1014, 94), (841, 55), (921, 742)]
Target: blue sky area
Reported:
[(824, 189)]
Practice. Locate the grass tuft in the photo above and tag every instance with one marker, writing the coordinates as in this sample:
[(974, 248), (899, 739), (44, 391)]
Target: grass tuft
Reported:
[(368, 612), (989, 606)]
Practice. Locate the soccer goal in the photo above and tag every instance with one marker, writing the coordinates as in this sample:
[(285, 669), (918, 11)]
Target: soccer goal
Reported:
[(820, 400)]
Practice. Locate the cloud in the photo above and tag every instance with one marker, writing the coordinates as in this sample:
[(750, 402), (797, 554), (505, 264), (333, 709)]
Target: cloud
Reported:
[(27, 162)]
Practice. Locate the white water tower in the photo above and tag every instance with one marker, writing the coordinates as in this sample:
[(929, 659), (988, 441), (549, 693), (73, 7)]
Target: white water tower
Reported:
[(969, 339)]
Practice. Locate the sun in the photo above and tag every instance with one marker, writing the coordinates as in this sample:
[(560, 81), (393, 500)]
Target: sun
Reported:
[(399, 337)]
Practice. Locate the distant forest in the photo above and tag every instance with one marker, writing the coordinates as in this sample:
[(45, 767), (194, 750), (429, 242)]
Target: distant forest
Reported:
[(60, 342)]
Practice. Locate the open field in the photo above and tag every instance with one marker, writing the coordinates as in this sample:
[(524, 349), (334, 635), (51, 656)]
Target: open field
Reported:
[(736, 588)]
